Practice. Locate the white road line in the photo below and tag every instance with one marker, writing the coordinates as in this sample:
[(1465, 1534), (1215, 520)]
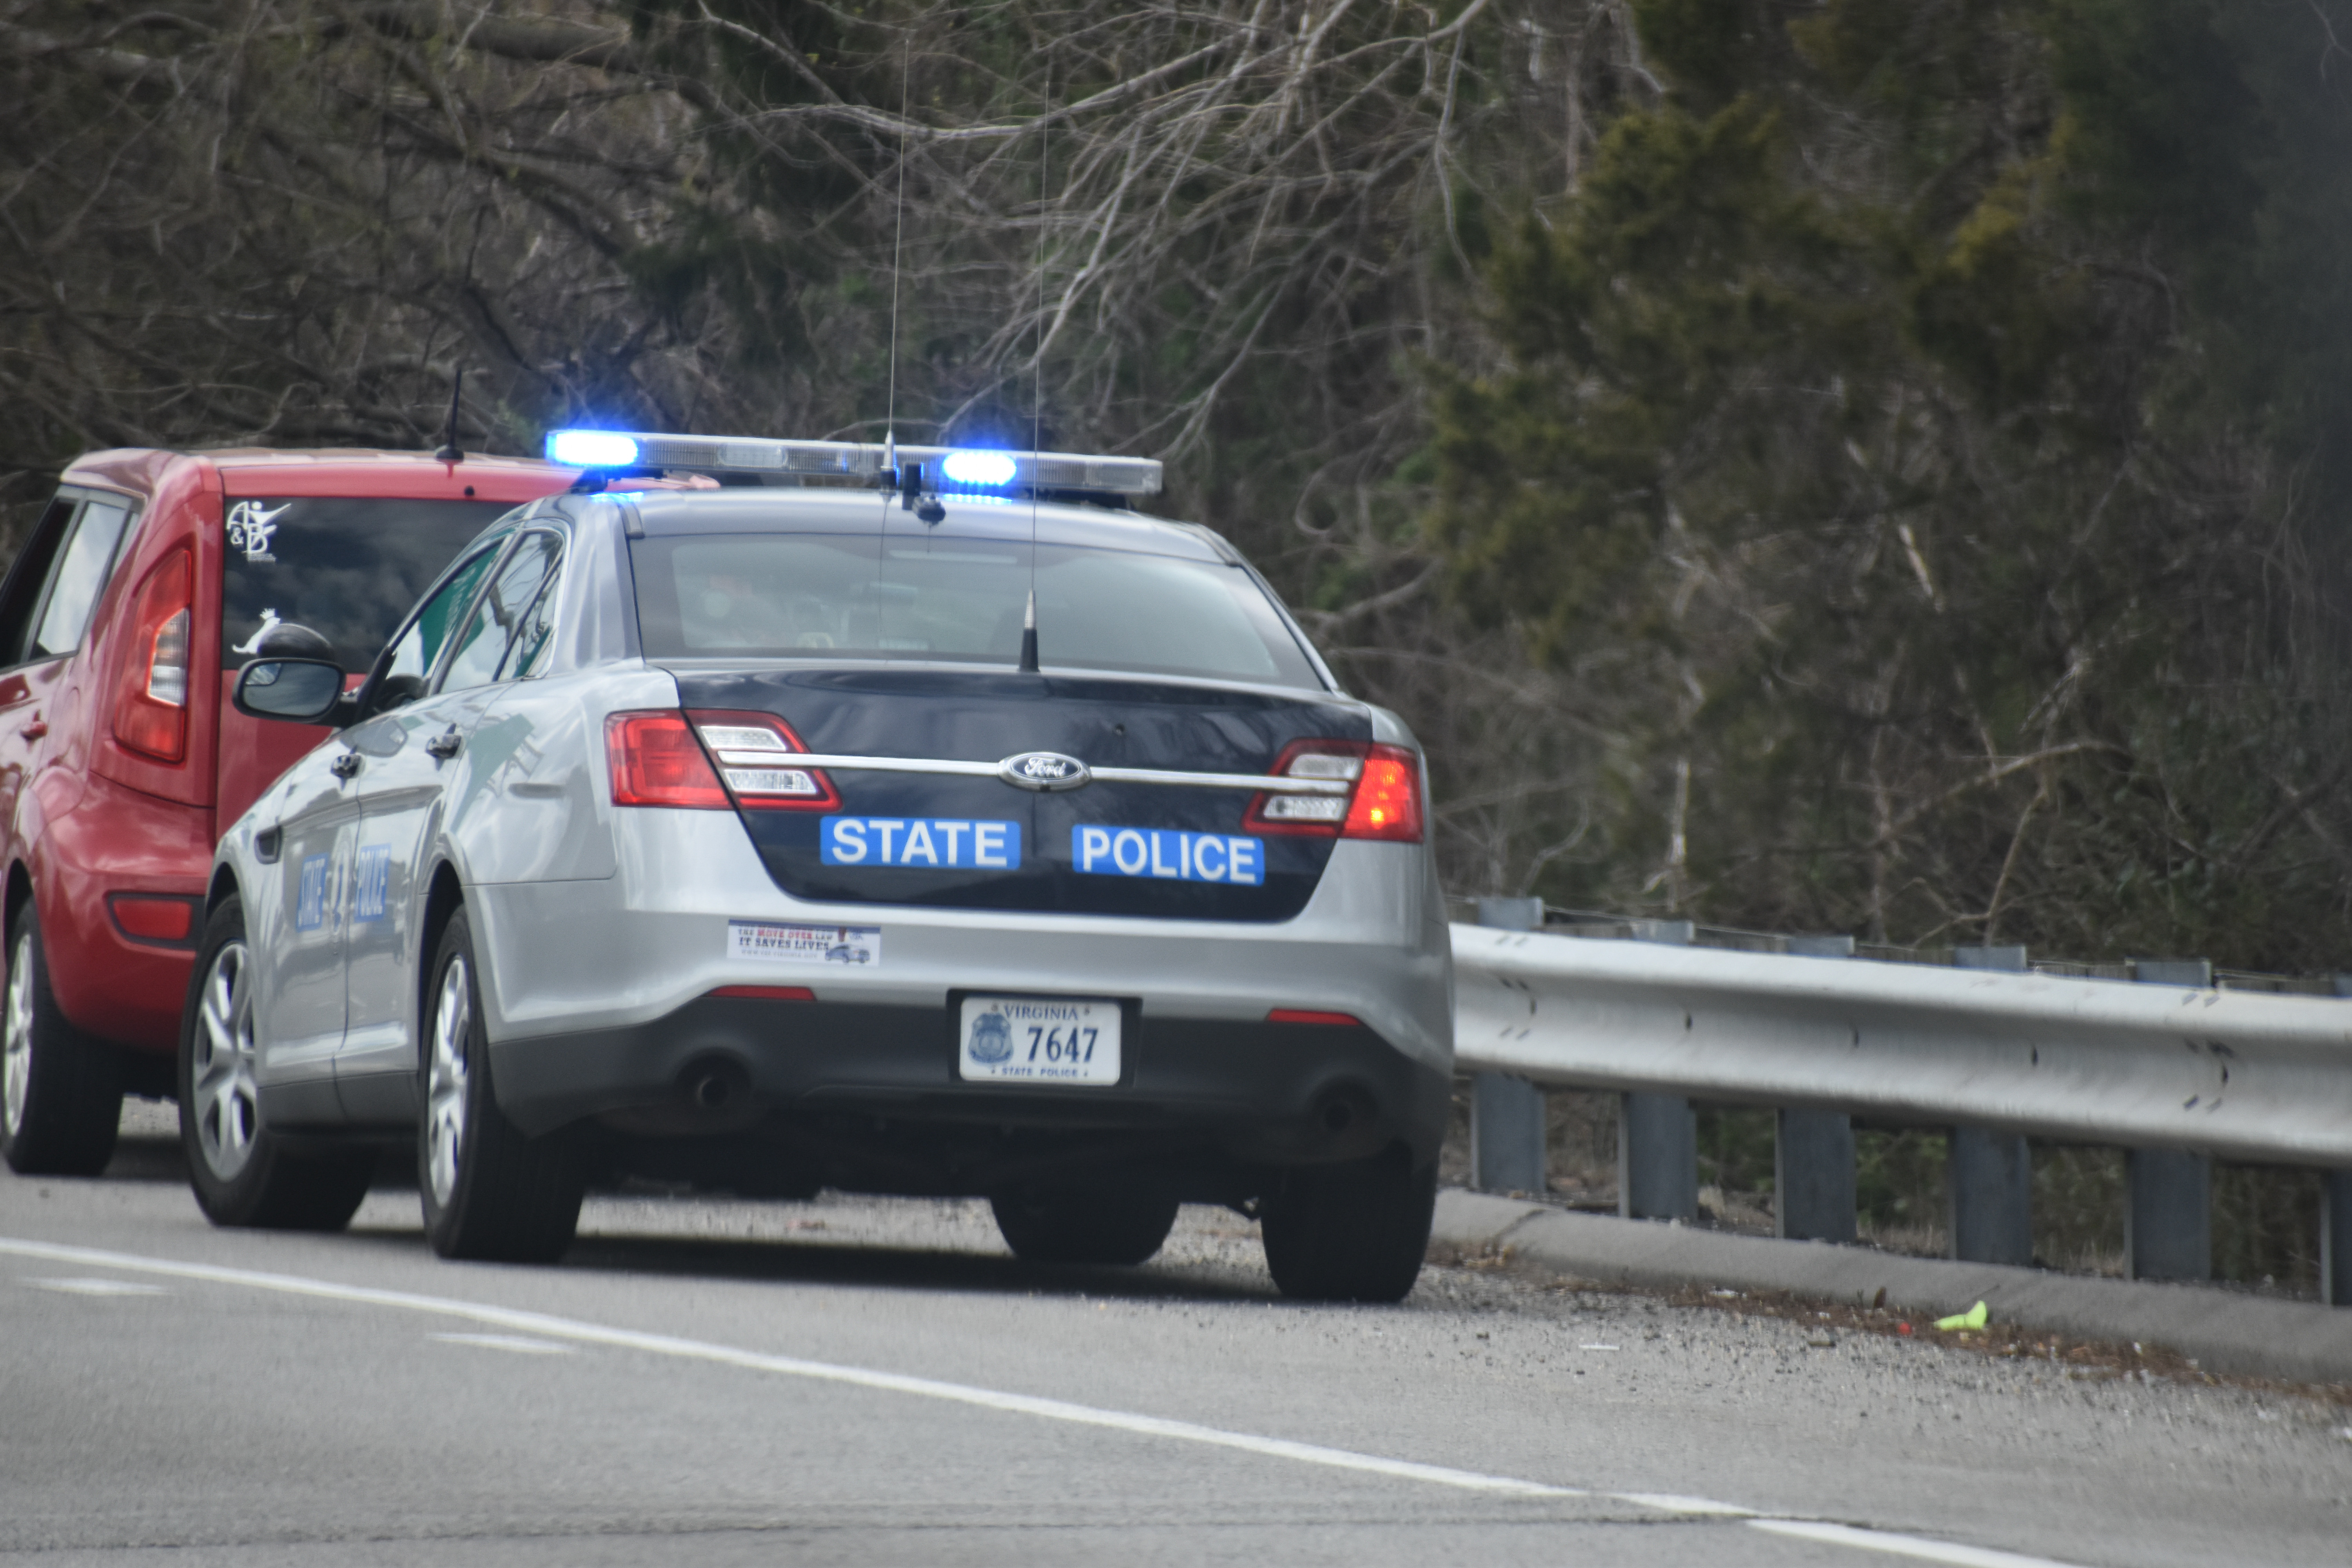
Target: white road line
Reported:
[(543, 1325), (1917, 1548), (520, 1344), (97, 1287)]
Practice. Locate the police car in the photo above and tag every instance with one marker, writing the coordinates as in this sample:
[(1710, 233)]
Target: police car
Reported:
[(891, 819)]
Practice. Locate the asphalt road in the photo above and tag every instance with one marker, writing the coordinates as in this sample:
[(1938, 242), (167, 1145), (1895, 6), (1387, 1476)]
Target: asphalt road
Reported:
[(855, 1382)]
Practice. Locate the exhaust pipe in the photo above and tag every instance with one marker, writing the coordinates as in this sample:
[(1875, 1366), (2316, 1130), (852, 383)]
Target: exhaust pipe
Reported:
[(715, 1085), (1344, 1110)]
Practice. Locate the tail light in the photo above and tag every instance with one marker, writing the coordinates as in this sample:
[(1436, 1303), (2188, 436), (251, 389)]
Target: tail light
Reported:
[(151, 706), (655, 759), (664, 758), (1383, 802), (754, 751)]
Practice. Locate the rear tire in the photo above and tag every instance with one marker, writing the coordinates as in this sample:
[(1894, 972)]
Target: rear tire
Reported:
[(61, 1092), (243, 1174), (490, 1192), (1351, 1232), (1100, 1226)]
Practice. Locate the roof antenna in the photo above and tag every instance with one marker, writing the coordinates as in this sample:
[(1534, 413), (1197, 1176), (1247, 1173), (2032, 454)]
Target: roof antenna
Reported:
[(449, 452), (1029, 621)]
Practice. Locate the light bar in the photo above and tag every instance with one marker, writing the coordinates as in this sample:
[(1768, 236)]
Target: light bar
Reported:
[(961, 467)]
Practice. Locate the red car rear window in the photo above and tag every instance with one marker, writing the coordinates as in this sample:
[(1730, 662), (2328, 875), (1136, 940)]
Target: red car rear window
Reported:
[(349, 569)]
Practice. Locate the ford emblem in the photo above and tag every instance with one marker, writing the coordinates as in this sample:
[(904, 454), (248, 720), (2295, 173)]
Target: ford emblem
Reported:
[(1045, 770)]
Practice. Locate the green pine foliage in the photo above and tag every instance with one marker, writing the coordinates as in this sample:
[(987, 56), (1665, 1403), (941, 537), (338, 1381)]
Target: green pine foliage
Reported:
[(1916, 424)]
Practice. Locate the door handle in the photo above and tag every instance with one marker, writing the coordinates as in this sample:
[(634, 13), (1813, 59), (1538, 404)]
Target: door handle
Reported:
[(446, 744), (34, 731), (345, 766)]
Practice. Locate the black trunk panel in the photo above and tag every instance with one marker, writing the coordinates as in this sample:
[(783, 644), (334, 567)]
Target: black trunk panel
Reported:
[(987, 717)]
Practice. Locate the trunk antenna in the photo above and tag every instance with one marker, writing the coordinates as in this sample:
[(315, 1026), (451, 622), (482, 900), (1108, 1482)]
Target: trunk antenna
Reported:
[(1037, 373)]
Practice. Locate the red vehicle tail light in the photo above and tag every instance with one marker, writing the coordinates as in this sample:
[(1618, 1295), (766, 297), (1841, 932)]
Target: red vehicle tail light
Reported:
[(1311, 1016), (1383, 800), (151, 706), (655, 759), (767, 992), (753, 750)]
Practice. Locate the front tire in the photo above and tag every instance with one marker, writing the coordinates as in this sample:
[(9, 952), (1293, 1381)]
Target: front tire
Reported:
[(490, 1192), (1351, 1232), (61, 1092), (243, 1173), (1100, 1226)]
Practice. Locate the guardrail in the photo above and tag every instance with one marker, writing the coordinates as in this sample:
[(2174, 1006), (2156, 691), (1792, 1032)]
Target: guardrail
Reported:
[(2175, 1072)]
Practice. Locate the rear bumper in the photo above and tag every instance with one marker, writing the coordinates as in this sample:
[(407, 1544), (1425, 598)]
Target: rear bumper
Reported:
[(116, 840), (1259, 1092), (597, 997)]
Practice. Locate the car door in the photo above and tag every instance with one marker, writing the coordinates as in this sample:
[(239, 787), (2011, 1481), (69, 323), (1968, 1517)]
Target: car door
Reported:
[(315, 814), (420, 767), (45, 610), (307, 833)]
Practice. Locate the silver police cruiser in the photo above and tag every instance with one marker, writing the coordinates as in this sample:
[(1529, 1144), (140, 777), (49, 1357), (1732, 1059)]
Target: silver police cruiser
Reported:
[(982, 836)]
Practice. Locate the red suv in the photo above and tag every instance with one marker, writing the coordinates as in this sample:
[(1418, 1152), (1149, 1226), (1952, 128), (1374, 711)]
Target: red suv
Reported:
[(144, 587)]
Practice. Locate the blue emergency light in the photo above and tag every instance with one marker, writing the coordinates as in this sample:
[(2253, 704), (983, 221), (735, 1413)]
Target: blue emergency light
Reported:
[(591, 449)]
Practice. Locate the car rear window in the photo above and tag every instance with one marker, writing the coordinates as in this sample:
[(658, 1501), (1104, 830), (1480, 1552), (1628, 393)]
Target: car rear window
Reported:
[(835, 597), (348, 569)]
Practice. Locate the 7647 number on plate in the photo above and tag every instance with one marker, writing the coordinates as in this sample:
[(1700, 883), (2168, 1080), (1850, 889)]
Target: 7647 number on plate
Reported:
[(1034, 1039)]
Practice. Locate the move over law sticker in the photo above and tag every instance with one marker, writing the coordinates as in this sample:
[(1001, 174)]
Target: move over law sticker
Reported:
[(853, 945)]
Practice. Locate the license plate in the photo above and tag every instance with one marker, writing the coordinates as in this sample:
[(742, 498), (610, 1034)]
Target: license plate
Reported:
[(1034, 1039)]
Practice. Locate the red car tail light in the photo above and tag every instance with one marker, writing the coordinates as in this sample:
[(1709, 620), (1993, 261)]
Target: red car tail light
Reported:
[(151, 705), (752, 748), (1313, 1016), (766, 992), (1383, 800), (655, 759)]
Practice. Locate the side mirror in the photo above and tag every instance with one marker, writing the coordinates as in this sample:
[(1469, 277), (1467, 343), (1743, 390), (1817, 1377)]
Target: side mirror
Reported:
[(299, 690)]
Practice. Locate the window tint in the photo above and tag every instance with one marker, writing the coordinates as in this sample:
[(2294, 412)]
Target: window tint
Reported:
[(523, 656), (419, 648), (498, 623), (81, 571), (836, 595), (348, 569), (28, 575)]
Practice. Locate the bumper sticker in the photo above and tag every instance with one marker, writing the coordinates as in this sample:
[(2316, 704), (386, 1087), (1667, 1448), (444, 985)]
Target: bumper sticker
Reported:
[(1168, 853), (804, 944), (925, 841)]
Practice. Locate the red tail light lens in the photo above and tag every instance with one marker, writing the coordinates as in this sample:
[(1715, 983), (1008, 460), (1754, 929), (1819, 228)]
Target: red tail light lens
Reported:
[(655, 759), (151, 706), (1383, 800), (753, 750)]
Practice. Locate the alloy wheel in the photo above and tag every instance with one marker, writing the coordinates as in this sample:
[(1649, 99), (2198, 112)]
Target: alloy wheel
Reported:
[(222, 1080), (445, 1090), (17, 1041)]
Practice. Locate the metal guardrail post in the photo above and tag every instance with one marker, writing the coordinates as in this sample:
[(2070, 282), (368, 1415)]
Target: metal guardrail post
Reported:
[(1657, 1134), (1990, 1175), (2168, 1202), (1813, 1151), (1506, 1112), (2336, 1239)]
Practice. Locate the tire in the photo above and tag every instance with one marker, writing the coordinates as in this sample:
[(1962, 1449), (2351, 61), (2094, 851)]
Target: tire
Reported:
[(245, 1175), (61, 1092), (1352, 1232), (490, 1192), (1111, 1226)]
